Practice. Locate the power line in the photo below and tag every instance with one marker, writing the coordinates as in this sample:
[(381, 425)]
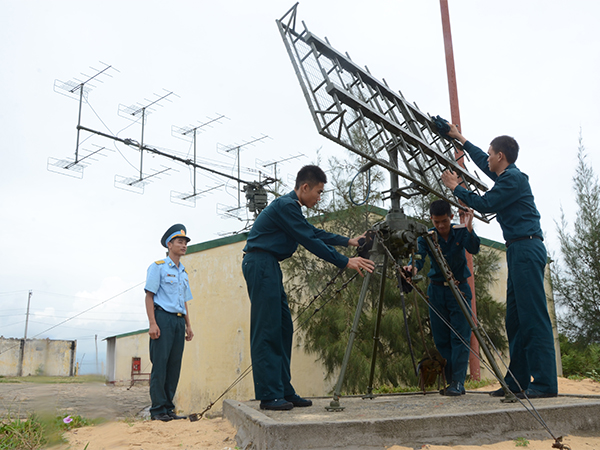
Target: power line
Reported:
[(79, 314)]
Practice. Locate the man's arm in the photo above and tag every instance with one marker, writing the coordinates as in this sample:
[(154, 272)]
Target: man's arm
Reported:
[(505, 191), (189, 334), (478, 156), (470, 240), (154, 330), (416, 265)]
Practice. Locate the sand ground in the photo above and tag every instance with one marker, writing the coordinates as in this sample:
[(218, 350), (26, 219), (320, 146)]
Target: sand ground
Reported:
[(126, 432)]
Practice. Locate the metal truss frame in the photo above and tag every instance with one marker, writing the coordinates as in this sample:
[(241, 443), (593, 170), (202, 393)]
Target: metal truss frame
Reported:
[(354, 109)]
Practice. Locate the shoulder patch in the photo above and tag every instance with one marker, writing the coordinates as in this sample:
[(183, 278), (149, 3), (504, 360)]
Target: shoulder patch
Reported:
[(162, 261), (185, 270)]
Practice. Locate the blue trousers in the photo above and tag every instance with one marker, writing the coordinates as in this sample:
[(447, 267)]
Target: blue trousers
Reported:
[(166, 353), (528, 325), (450, 346), (271, 327)]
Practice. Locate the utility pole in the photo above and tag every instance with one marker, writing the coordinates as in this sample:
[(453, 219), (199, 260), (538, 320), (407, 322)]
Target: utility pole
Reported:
[(474, 366), (96, 340), (27, 315)]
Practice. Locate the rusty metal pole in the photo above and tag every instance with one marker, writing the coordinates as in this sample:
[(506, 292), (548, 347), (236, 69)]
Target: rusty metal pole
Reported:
[(474, 367)]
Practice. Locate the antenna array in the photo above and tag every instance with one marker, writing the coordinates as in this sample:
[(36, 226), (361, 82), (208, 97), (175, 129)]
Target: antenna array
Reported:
[(255, 190), (354, 109)]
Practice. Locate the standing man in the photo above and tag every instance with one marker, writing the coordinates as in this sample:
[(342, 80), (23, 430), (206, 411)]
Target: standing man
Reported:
[(453, 240), (167, 293), (274, 237), (528, 326)]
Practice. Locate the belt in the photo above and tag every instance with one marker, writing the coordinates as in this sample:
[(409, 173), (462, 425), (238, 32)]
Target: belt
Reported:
[(162, 309), (444, 283), (260, 250), (511, 241)]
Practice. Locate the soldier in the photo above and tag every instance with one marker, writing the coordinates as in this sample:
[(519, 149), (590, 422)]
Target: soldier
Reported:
[(453, 239), (528, 326), (274, 237), (167, 293)]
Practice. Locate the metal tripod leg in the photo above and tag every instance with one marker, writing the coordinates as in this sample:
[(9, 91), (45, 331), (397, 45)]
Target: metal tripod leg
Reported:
[(377, 327), (335, 403), (509, 397)]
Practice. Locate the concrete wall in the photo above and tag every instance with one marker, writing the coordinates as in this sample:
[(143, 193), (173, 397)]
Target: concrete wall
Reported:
[(20, 357)]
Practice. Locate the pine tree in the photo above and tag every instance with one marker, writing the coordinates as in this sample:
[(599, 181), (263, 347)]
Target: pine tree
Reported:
[(576, 282)]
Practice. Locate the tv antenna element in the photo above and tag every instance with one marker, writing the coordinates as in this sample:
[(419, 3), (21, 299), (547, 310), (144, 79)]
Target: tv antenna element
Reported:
[(78, 89)]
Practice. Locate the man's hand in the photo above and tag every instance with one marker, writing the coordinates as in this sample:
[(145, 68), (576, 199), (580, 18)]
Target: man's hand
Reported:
[(412, 270), (467, 218), (359, 263), (455, 134), (354, 241), (154, 331), (450, 179), (189, 334)]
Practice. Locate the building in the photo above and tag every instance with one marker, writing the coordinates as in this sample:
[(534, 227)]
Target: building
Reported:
[(24, 357)]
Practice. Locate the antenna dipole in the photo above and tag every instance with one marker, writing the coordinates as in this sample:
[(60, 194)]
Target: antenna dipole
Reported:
[(236, 148), (186, 132), (142, 110), (267, 164), (70, 88)]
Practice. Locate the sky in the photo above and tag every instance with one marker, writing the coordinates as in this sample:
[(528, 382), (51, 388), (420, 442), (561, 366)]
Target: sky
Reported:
[(527, 69)]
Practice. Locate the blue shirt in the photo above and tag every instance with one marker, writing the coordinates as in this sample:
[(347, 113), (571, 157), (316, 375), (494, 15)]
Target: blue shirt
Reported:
[(169, 284), (510, 198), (281, 226), (453, 250)]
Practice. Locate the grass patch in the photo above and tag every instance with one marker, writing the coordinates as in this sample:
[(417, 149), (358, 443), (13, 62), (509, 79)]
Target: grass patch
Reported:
[(475, 384), (521, 442), (469, 385), (54, 380), (37, 431)]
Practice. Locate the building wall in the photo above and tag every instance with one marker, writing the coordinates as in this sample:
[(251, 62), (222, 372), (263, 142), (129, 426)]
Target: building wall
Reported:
[(220, 317), (120, 351), (20, 357)]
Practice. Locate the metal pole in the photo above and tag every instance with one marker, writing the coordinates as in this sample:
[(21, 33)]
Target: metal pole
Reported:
[(79, 122), (142, 143), (27, 315), (474, 366), (376, 338), (335, 403), (194, 161)]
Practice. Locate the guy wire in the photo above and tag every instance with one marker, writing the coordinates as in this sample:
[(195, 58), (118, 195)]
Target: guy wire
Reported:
[(533, 411)]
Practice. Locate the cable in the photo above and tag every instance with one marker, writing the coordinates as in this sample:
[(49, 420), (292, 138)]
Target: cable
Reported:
[(368, 187)]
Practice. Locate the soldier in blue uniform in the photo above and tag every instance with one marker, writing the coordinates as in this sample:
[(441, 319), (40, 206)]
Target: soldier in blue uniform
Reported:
[(528, 325), (167, 292), (453, 239), (274, 237)]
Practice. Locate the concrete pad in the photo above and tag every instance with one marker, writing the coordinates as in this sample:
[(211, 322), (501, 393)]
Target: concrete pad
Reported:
[(409, 420)]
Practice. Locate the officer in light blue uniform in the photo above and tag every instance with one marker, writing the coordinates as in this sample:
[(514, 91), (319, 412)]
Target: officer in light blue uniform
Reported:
[(453, 240), (167, 293), (275, 235), (528, 325)]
